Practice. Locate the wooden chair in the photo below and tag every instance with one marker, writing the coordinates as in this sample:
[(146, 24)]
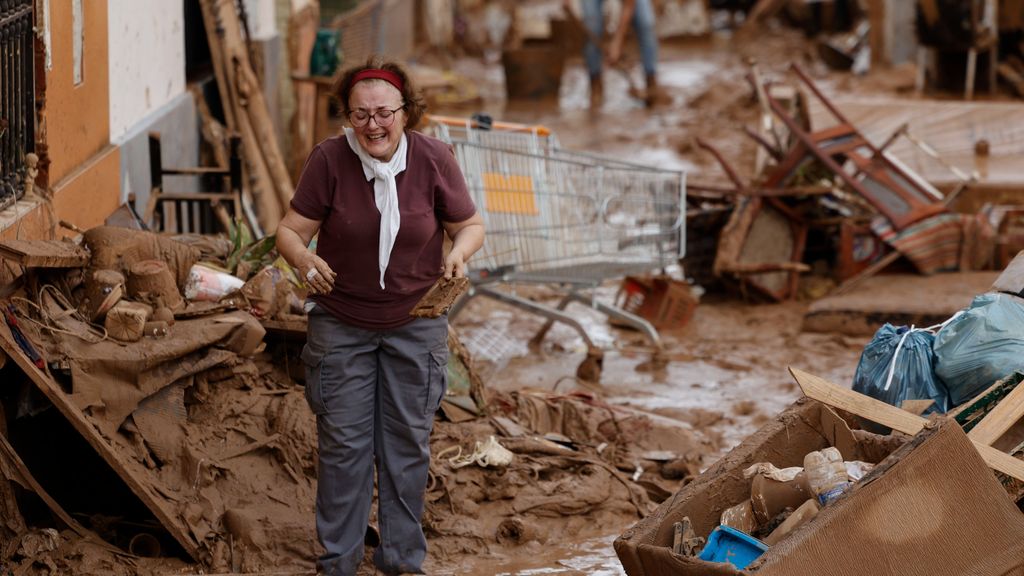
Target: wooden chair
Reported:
[(194, 212)]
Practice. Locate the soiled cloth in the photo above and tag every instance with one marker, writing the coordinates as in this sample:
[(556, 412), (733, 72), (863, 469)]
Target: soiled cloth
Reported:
[(110, 380)]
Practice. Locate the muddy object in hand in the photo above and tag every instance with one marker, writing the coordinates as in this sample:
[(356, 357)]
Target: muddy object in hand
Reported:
[(439, 299)]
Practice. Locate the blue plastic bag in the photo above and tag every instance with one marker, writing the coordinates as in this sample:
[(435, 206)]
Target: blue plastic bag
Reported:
[(980, 346), (897, 365)]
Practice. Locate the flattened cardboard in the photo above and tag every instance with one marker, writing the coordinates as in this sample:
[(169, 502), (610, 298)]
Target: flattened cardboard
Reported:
[(645, 548), (932, 507)]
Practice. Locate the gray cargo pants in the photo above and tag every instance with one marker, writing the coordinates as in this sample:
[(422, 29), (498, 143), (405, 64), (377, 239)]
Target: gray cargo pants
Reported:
[(374, 394)]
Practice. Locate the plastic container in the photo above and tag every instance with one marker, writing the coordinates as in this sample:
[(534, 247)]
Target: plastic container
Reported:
[(730, 545), (826, 474), (207, 284)]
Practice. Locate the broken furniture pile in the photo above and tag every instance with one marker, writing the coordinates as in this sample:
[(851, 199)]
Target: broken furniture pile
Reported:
[(828, 196), (210, 442)]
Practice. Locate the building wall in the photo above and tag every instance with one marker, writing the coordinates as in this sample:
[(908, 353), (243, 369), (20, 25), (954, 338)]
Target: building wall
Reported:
[(147, 64), (147, 93), (77, 116)]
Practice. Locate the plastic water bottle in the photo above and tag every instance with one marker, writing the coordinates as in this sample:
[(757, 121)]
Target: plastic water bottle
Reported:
[(826, 474)]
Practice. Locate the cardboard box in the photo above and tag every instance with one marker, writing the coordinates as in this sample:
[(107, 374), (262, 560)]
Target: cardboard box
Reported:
[(645, 548), (931, 507)]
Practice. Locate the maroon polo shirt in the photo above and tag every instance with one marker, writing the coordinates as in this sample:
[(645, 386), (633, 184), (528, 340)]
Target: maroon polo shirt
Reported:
[(334, 191)]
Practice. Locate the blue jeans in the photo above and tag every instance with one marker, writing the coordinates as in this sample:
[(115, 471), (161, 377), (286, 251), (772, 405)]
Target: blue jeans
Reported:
[(374, 394), (643, 24)]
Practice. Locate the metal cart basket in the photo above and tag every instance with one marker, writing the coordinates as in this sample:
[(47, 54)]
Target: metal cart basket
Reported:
[(564, 218)]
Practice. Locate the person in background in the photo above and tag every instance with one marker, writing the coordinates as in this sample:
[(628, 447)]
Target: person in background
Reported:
[(641, 14), (380, 198)]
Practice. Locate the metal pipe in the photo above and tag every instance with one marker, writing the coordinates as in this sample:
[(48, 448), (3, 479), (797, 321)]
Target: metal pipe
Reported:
[(145, 545)]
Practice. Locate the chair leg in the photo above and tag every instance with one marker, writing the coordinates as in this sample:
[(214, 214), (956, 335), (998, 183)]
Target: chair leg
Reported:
[(972, 65)]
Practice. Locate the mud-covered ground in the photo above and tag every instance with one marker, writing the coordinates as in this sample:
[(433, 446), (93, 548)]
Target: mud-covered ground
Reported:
[(726, 371)]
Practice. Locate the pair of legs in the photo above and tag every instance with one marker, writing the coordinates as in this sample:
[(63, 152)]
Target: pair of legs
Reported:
[(643, 26), (374, 394)]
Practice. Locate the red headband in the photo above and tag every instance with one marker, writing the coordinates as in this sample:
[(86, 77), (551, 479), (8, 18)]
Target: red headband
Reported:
[(388, 76)]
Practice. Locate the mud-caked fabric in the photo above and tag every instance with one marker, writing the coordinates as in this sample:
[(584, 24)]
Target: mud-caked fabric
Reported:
[(374, 393)]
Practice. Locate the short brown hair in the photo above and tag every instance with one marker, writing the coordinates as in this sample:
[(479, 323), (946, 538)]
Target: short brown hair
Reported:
[(415, 107)]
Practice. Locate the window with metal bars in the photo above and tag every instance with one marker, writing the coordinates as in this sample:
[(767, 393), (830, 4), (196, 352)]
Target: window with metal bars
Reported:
[(17, 96)]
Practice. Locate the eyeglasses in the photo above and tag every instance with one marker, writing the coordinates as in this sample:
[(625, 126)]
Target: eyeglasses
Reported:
[(384, 117)]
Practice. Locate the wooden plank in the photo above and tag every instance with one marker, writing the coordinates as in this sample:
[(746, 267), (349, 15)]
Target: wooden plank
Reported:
[(25, 478), (261, 185), (44, 253), (916, 407), (877, 411), (1000, 419), (122, 465)]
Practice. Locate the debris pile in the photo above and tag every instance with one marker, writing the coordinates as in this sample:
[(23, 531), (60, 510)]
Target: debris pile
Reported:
[(204, 427), (828, 199)]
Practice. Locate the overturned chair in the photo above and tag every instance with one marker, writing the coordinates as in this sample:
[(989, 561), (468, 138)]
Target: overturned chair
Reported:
[(194, 212)]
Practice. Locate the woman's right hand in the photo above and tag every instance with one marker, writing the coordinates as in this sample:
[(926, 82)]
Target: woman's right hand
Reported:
[(318, 275)]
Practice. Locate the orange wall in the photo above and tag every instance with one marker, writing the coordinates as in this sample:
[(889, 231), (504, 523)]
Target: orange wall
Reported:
[(84, 198), (92, 192), (77, 117)]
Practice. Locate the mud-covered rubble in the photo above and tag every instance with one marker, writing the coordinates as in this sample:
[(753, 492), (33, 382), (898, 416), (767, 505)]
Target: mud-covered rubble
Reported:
[(208, 430)]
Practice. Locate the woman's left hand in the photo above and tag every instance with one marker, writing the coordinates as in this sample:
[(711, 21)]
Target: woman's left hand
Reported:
[(467, 237), (455, 264)]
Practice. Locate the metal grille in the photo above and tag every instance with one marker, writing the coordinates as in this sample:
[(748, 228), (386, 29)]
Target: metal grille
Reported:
[(17, 89)]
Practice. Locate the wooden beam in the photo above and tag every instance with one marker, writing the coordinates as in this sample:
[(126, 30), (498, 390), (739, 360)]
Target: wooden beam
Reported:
[(24, 477), (122, 465), (44, 253), (877, 411), (1009, 410), (916, 407)]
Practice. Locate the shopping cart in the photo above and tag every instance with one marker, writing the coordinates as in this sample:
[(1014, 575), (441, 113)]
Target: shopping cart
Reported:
[(564, 218)]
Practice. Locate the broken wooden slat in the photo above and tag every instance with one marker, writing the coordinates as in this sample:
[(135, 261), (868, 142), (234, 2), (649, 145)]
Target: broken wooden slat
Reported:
[(1000, 419), (890, 416), (250, 447), (44, 253), (440, 297), (302, 29), (231, 62), (20, 473), (916, 407), (123, 466)]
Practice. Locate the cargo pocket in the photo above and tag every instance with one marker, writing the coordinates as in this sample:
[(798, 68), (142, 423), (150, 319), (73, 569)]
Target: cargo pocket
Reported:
[(437, 380), (314, 363)]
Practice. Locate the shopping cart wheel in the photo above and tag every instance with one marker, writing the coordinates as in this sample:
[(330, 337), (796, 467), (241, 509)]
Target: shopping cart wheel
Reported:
[(590, 369)]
